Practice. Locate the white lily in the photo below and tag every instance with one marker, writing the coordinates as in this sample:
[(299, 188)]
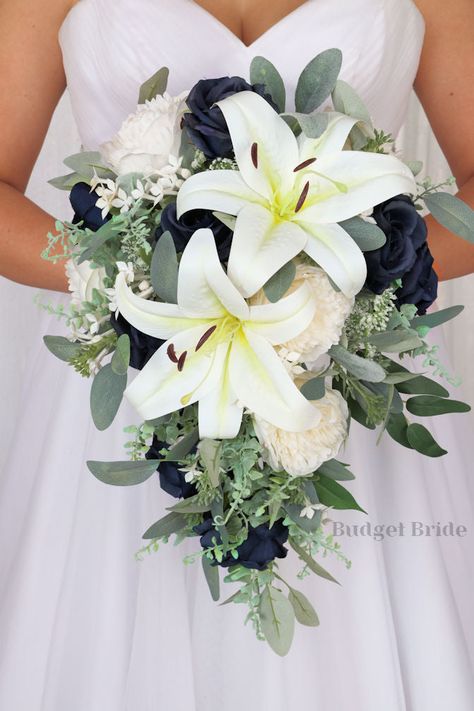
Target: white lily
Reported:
[(218, 350), (290, 194)]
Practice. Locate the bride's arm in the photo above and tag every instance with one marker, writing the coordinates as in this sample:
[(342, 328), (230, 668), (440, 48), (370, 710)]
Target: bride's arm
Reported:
[(31, 84), (445, 87)]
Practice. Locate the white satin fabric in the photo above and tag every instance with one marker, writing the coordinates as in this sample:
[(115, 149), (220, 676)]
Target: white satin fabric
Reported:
[(85, 627)]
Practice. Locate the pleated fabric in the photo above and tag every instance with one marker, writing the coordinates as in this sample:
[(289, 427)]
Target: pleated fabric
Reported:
[(87, 627)]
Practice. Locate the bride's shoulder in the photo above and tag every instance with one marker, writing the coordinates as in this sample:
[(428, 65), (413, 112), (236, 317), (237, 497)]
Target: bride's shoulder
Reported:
[(436, 11)]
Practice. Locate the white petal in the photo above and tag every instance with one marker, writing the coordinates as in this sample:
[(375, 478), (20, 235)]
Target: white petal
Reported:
[(290, 315), (370, 179), (222, 190), (262, 384), (260, 247), (336, 252), (250, 119), (152, 317), (204, 289), (160, 388), (220, 416), (331, 141)]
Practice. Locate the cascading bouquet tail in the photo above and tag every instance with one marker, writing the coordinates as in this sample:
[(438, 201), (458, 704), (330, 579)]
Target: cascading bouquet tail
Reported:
[(266, 272)]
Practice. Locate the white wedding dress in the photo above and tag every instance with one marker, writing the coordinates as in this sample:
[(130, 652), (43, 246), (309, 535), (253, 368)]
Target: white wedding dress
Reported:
[(86, 627)]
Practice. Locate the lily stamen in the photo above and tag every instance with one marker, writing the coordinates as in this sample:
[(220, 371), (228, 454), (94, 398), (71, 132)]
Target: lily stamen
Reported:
[(304, 164), (205, 337), (172, 353), (181, 360), (254, 154), (302, 197)]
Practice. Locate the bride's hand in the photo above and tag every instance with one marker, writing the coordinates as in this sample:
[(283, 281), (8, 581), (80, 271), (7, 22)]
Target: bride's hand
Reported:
[(31, 84), (445, 87)]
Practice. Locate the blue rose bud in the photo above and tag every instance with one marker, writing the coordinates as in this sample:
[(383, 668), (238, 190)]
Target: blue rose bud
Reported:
[(83, 202), (172, 479)]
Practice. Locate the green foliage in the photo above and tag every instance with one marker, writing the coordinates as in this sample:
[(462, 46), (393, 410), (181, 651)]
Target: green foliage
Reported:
[(154, 86), (262, 71), (122, 473), (318, 80), (106, 395), (164, 269), (377, 143), (277, 286), (366, 235)]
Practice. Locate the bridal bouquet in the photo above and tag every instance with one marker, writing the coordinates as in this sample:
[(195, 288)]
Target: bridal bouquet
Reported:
[(265, 272)]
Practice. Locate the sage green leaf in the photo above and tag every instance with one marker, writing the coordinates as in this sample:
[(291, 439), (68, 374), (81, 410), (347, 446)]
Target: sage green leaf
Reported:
[(423, 441), (62, 347), (422, 386), (331, 493), (336, 470), (416, 166), (317, 80), (306, 524), (190, 505), (164, 269), (313, 125), (227, 220), (278, 619), (359, 414), (211, 573), (121, 357), (88, 163), (396, 426), (277, 286), (262, 71), (106, 395), (430, 405), (395, 341), (311, 563), (171, 523), (109, 230), (314, 389), (210, 451), (452, 213), (233, 597), (154, 86), (303, 609), (123, 473), (365, 234), (66, 182), (179, 450), (360, 367), (402, 376), (347, 101), (436, 318)]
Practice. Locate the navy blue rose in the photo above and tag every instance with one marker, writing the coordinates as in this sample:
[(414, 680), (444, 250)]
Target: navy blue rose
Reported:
[(83, 202), (205, 125), (142, 346), (183, 229), (263, 544), (405, 255), (172, 479)]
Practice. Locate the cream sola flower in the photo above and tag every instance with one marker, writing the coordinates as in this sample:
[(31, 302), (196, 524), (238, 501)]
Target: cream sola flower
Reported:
[(290, 194), (219, 351), (301, 453)]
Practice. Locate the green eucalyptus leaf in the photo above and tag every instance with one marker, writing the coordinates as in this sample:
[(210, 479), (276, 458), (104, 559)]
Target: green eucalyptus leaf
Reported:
[(262, 71), (423, 441), (396, 426), (66, 182), (154, 86), (306, 524), (304, 611), (452, 213), (365, 234), (395, 378), (277, 286), (88, 163), (210, 451), (277, 618), (171, 523), (347, 101), (179, 450), (422, 386), (190, 505), (121, 357), (359, 414), (313, 125), (332, 469), (164, 269), (123, 473), (311, 563), (106, 395), (62, 347), (416, 166), (395, 341), (436, 318), (360, 367), (318, 80), (331, 493), (430, 406), (234, 597), (314, 389), (108, 230), (211, 573)]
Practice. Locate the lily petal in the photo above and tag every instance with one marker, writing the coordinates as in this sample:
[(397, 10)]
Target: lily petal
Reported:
[(370, 178), (262, 384), (203, 285), (260, 247), (222, 190), (251, 120), (331, 141), (220, 416), (154, 318), (336, 252), (290, 315), (161, 388)]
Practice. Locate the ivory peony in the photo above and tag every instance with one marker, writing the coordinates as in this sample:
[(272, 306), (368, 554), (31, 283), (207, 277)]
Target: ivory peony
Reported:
[(82, 280)]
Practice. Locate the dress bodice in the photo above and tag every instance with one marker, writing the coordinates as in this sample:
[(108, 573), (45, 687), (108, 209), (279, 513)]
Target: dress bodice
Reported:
[(111, 46)]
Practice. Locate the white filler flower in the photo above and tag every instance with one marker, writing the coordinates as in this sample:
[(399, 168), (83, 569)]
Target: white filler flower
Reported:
[(148, 137), (82, 280), (301, 453), (290, 194), (219, 350)]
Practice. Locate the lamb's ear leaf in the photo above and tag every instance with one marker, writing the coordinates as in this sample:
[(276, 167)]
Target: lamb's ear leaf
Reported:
[(318, 80), (262, 71)]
